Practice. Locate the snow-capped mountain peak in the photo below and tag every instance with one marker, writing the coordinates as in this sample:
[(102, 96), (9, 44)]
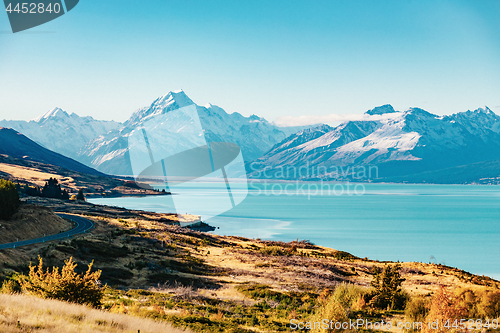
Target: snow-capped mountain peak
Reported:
[(254, 135), (62, 132), (172, 101), (54, 113), (178, 97)]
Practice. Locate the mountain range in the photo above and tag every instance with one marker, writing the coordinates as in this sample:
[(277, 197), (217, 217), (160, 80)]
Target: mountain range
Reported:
[(394, 144), (255, 136), (412, 145), (103, 145), (64, 133)]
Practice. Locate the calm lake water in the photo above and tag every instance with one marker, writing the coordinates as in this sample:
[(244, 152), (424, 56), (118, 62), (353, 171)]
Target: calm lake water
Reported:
[(456, 225)]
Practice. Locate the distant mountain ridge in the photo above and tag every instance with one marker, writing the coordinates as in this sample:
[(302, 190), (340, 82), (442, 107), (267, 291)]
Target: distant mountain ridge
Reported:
[(402, 144), (61, 132), (398, 143)]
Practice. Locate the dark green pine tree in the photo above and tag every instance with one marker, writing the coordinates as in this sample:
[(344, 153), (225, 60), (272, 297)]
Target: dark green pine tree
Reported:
[(9, 199), (64, 195), (387, 283), (80, 195), (52, 189)]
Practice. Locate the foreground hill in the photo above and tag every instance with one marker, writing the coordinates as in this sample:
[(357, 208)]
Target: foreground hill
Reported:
[(17, 145), (395, 144), (214, 283), (32, 222)]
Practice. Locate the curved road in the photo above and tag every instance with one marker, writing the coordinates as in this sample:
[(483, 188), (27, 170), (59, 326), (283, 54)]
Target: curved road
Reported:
[(82, 225)]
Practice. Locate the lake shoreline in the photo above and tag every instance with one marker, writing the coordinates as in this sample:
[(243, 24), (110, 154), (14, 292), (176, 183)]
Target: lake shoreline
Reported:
[(389, 222)]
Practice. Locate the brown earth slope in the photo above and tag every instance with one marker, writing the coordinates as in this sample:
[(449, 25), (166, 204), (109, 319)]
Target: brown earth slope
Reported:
[(32, 222)]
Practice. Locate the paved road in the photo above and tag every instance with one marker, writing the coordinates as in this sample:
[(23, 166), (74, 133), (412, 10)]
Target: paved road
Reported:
[(82, 225)]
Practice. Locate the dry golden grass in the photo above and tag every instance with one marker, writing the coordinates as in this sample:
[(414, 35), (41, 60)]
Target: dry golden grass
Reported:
[(241, 260), (20, 313), (286, 273), (34, 176), (31, 222)]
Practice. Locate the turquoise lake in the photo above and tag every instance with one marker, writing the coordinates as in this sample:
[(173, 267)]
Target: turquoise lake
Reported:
[(456, 225)]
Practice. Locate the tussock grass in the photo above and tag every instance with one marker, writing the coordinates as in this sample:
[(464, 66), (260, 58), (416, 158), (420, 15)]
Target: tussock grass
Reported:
[(338, 306), (21, 313)]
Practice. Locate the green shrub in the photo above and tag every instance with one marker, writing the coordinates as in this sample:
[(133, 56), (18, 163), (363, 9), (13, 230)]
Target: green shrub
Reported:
[(337, 307), (65, 285), (272, 251), (470, 300), (416, 310), (9, 199), (490, 305), (10, 286)]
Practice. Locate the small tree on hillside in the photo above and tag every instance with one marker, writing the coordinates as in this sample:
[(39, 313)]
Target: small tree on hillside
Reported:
[(80, 195), (387, 283), (9, 199), (64, 195), (65, 285), (52, 189)]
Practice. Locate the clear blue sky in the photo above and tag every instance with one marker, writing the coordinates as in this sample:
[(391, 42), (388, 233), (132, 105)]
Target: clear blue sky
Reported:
[(107, 58)]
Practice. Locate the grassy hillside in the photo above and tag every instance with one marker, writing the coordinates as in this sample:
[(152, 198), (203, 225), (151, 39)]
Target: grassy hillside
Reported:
[(20, 313), (155, 269), (32, 222), (25, 171), (212, 283)]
